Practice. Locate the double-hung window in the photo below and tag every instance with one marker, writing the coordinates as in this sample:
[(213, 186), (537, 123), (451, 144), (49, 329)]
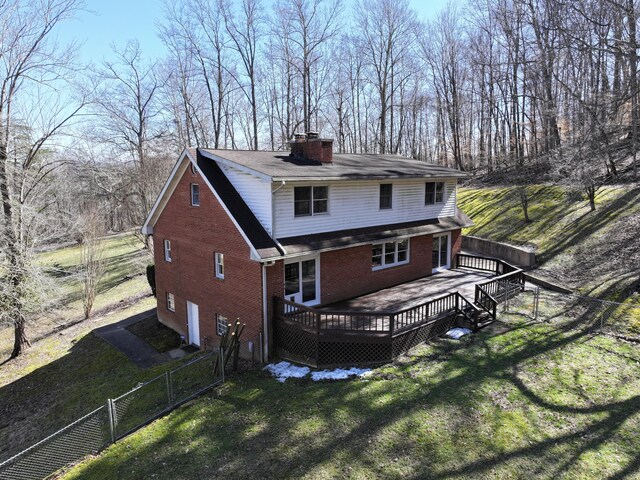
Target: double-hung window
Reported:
[(310, 200), (171, 302), (221, 324), (389, 254), (386, 194), (218, 260), (434, 193), (167, 250), (195, 195)]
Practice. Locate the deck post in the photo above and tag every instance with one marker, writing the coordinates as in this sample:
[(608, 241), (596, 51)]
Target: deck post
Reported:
[(392, 319), (318, 317)]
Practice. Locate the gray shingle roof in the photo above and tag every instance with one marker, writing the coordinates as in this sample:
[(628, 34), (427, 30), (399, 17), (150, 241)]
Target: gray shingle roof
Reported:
[(280, 166)]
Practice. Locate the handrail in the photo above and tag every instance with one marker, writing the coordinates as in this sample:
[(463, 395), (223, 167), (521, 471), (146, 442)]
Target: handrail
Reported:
[(383, 321)]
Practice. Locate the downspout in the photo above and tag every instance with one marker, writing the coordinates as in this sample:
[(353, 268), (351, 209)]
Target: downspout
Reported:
[(265, 314), (265, 300)]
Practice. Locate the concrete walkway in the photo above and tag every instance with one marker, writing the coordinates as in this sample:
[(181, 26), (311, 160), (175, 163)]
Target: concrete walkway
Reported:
[(138, 351)]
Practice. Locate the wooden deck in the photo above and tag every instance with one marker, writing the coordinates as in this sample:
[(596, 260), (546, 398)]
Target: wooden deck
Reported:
[(410, 294)]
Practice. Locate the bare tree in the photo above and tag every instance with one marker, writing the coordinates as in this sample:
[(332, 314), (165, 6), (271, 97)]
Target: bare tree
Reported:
[(245, 28), (387, 34), (92, 257), (33, 69), (129, 116)]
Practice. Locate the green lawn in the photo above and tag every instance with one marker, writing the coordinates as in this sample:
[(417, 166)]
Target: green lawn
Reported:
[(543, 400), (595, 252), (68, 371)]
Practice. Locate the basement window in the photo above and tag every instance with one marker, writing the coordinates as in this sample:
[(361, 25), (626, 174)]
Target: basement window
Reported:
[(310, 201), (222, 324), (434, 193), (389, 254), (195, 195), (171, 302)]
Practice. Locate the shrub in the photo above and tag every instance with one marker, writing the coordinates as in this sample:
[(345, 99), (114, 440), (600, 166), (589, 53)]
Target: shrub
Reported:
[(151, 277)]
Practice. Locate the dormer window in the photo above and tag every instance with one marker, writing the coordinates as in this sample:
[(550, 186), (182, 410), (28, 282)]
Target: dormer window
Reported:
[(195, 195), (310, 201), (434, 193), (386, 194)]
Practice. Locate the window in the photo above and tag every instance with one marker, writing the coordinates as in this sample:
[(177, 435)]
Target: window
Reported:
[(218, 260), (310, 200), (171, 302), (221, 324), (389, 254), (195, 194), (386, 193), (434, 193), (167, 250)]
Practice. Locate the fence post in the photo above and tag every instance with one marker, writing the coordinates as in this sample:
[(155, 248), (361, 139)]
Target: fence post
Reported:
[(537, 300), (112, 420), (222, 363), (169, 380)]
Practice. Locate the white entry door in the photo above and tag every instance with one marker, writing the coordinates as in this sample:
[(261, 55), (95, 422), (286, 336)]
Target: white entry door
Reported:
[(193, 320), (440, 256), (302, 280)]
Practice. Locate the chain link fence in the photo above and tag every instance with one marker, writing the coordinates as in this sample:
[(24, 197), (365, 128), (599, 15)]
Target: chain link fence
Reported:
[(116, 419), (575, 311)]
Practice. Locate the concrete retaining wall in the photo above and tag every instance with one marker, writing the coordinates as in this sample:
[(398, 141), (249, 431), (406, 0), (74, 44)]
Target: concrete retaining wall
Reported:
[(515, 255)]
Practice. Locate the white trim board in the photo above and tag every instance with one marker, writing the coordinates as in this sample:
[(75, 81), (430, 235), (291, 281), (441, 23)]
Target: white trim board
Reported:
[(176, 174)]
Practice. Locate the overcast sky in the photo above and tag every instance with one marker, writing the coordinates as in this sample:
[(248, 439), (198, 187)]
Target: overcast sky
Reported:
[(117, 21)]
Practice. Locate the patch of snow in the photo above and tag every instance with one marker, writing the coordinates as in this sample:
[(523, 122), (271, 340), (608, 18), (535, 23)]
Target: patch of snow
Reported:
[(284, 370), (339, 373), (457, 333)]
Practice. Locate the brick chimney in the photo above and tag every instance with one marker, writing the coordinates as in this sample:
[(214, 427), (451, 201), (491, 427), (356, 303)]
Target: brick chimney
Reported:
[(311, 147)]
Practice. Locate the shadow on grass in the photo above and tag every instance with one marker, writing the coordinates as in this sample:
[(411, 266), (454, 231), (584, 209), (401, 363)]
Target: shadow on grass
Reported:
[(385, 428), (54, 395), (119, 268)]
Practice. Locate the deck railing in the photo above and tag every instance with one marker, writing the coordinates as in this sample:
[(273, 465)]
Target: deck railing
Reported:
[(322, 320), (322, 338), (488, 294)]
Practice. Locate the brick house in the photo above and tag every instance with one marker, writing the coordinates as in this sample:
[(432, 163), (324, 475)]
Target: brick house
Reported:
[(234, 230)]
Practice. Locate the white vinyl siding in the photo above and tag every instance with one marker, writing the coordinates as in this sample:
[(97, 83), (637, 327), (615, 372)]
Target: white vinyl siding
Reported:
[(356, 205), (254, 191)]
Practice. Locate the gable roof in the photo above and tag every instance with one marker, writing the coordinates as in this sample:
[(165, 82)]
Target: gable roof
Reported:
[(238, 209), (261, 244), (279, 166)]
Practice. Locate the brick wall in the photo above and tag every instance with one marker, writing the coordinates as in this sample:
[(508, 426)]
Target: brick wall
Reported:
[(195, 234), (347, 272)]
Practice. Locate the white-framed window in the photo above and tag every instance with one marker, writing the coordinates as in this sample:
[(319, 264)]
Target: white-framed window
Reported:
[(171, 302), (310, 201), (167, 250), (222, 324), (386, 196), (195, 195), (389, 254), (434, 193), (218, 262)]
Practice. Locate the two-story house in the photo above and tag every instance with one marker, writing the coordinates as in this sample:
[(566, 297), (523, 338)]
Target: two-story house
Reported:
[(232, 230)]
